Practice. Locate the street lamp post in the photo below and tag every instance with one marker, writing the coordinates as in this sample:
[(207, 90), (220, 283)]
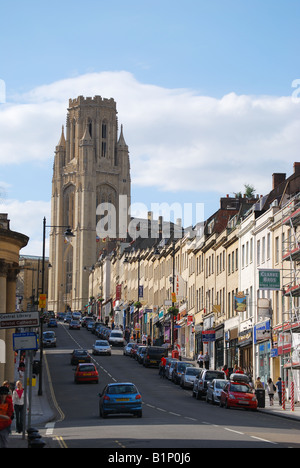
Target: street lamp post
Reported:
[(68, 234)]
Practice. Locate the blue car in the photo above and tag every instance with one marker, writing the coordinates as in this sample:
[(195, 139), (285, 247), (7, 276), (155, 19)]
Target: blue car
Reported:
[(119, 398)]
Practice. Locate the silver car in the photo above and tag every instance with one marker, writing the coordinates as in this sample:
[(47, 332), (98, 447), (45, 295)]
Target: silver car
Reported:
[(101, 347), (188, 377), (214, 390)]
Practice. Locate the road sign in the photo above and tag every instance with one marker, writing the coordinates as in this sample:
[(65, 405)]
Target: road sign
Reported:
[(42, 301), (20, 320), (25, 341)]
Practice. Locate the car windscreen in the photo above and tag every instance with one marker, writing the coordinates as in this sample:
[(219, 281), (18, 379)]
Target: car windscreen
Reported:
[(241, 388), (192, 371), (214, 375), (121, 389), (87, 368), (101, 343)]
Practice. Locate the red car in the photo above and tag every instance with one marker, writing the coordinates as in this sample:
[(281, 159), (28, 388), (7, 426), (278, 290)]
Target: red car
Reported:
[(86, 372), (238, 395)]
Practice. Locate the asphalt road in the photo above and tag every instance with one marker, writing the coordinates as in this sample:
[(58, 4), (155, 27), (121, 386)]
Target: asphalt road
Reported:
[(172, 419)]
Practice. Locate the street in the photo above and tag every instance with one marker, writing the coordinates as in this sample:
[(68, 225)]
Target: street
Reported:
[(172, 419)]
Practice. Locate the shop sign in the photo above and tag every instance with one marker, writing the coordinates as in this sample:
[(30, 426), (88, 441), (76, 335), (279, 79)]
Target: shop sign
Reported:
[(262, 332), (269, 279), (208, 336), (245, 338)]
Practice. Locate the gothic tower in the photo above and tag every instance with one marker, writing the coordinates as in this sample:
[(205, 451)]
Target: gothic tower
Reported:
[(91, 167)]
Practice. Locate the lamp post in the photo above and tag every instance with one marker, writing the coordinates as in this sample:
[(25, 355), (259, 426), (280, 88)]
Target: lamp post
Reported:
[(68, 235)]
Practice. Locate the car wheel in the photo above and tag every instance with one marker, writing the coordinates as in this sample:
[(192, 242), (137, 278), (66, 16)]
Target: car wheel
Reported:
[(198, 395)]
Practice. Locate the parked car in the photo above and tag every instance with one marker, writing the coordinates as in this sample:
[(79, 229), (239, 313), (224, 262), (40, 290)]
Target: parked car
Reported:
[(140, 354), (170, 368), (214, 390), (153, 355), (85, 320), (49, 339), (86, 372), (80, 355), (120, 398), (90, 325), (188, 377), (76, 316), (127, 349), (116, 338), (204, 377), (74, 325), (238, 395), (133, 350), (179, 369), (101, 347)]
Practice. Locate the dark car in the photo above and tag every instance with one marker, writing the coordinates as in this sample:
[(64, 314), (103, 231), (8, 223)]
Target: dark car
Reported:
[(179, 370), (80, 355), (203, 379), (153, 355)]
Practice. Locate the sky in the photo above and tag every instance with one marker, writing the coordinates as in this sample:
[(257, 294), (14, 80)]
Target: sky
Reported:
[(208, 94)]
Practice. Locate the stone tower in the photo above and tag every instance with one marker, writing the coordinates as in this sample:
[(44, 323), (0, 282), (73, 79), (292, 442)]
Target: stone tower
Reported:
[(91, 167)]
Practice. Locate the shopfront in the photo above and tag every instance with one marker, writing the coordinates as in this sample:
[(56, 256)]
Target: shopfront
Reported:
[(231, 334), (262, 344)]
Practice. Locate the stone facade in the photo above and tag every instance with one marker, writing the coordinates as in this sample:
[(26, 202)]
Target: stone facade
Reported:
[(91, 168), (10, 245)]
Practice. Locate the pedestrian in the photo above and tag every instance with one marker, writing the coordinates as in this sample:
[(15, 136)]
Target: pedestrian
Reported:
[(226, 371), (206, 360), (258, 383), (18, 402), (162, 367), (6, 413), (271, 389), (200, 360), (21, 368), (279, 390)]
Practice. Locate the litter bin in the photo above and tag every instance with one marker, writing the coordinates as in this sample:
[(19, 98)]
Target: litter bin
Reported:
[(36, 367), (261, 397), (175, 354)]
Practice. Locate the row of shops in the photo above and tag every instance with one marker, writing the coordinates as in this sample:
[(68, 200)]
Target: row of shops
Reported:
[(258, 349)]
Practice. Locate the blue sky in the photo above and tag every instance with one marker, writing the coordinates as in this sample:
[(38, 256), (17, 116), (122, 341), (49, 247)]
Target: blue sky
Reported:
[(203, 89)]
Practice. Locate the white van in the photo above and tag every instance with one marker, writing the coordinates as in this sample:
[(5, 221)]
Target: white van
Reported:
[(116, 338)]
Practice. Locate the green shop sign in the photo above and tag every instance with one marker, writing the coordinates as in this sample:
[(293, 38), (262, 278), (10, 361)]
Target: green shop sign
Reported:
[(269, 279)]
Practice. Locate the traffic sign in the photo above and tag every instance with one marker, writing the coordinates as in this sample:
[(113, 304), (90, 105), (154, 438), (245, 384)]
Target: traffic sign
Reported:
[(20, 320), (25, 341)]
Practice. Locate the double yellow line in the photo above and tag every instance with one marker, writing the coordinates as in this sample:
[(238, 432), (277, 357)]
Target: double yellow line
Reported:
[(59, 439)]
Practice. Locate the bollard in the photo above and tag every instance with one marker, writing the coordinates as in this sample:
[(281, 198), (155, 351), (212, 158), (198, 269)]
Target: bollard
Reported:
[(292, 397), (283, 395)]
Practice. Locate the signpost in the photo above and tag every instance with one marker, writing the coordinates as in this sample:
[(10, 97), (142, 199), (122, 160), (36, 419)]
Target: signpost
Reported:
[(20, 320)]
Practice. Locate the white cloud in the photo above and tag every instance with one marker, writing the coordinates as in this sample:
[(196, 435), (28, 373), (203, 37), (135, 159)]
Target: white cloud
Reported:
[(178, 140), (26, 217)]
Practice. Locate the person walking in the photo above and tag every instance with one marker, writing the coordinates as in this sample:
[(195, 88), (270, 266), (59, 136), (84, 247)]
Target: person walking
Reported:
[(18, 402), (6, 413), (258, 383), (279, 390), (271, 389), (200, 360)]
